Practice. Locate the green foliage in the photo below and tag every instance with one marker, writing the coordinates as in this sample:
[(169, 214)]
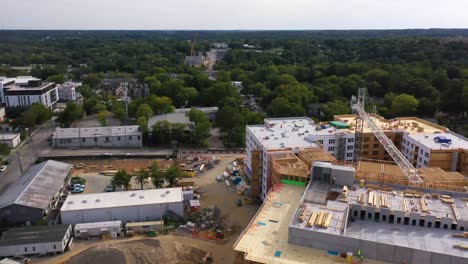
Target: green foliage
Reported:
[(72, 113), (201, 131), (121, 178), (164, 132), (58, 78), (172, 175), (119, 111), (142, 176), (157, 176), (36, 114), (102, 118), (142, 123), (281, 107), (4, 150), (336, 107), (86, 91), (145, 111), (404, 104)]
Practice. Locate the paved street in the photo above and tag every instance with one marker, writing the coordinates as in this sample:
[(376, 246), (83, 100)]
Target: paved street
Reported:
[(26, 154)]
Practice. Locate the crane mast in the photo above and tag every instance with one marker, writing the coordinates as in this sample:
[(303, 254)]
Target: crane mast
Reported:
[(358, 107)]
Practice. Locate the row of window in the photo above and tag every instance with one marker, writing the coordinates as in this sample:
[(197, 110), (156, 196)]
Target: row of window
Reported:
[(34, 248)]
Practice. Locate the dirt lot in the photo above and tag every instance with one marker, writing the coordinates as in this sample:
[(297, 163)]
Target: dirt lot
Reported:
[(122, 251), (99, 165)]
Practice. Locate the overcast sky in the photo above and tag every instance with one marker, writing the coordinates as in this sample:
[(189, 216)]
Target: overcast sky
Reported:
[(233, 14)]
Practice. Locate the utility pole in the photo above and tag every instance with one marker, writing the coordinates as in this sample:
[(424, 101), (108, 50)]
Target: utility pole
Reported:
[(19, 162)]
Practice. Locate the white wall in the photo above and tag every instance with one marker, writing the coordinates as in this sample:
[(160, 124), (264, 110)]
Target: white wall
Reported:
[(114, 141), (136, 213)]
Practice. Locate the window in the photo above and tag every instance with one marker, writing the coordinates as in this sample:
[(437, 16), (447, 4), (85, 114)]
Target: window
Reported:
[(25, 249), (365, 153), (366, 139), (69, 141), (129, 137), (426, 155), (350, 140), (107, 139), (421, 151), (34, 248), (331, 141), (118, 138), (55, 247), (365, 146), (426, 163), (331, 148), (349, 155), (95, 139), (404, 141), (83, 139), (375, 152), (350, 147), (138, 137), (376, 145), (320, 141)]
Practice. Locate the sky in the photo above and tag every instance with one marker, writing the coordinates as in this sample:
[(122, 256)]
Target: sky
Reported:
[(232, 14)]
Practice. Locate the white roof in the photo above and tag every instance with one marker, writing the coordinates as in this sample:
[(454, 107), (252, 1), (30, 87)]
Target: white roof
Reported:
[(98, 225), (8, 136), (290, 132), (96, 132), (122, 199), (427, 140)]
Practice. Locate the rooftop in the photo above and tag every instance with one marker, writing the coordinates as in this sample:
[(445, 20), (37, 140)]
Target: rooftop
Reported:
[(427, 139), (121, 199), (412, 125), (8, 136), (98, 224), (178, 117), (288, 132), (267, 233), (96, 132), (33, 235), (38, 186)]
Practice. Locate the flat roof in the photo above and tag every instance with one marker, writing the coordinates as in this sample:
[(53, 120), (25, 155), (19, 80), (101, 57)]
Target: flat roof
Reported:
[(33, 235), (421, 238), (426, 139), (8, 136), (122, 199), (98, 224), (267, 233), (412, 125), (110, 131), (290, 132), (38, 186), (148, 223), (12, 88), (178, 117)]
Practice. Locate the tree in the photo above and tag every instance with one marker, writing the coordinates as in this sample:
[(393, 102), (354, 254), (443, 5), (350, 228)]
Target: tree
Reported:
[(144, 110), (36, 115), (98, 107), (172, 175), (58, 78), (404, 104), (102, 118), (119, 111), (4, 150), (201, 131), (142, 123), (121, 178), (157, 176), (142, 176), (281, 107), (72, 113)]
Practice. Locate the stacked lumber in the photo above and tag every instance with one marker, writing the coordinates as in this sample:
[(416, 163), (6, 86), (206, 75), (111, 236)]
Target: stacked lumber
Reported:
[(463, 235), (424, 205), (455, 212), (446, 199), (323, 220), (362, 198), (312, 219), (384, 201), (370, 199), (464, 247), (404, 205), (303, 215)]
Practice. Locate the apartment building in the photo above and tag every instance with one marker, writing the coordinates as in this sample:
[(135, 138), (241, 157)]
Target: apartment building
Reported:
[(67, 91), (23, 91), (294, 134)]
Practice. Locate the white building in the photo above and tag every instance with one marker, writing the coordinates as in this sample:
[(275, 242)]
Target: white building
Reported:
[(35, 240), (85, 230), (114, 136), (67, 91), (294, 133), (11, 140), (126, 206), (24, 91)]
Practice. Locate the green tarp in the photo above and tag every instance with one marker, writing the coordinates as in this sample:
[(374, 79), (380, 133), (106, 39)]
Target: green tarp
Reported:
[(298, 183), (339, 124)]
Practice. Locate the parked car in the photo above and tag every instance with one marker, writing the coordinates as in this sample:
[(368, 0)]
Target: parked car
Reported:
[(109, 188), (3, 168)]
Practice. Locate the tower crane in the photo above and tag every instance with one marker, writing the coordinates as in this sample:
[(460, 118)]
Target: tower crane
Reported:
[(358, 107), (192, 49)]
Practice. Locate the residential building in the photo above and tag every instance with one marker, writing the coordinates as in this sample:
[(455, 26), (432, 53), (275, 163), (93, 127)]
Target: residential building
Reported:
[(112, 136), (67, 91), (35, 240), (290, 134), (2, 113), (36, 194), (24, 91), (11, 140), (126, 206), (195, 61)]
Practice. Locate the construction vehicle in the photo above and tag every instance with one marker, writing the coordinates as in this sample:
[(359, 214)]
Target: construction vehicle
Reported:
[(358, 105)]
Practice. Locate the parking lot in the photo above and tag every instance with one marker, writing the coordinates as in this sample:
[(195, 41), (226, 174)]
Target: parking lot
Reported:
[(95, 183)]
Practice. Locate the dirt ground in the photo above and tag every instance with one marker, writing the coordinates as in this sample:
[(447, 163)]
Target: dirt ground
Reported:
[(98, 165)]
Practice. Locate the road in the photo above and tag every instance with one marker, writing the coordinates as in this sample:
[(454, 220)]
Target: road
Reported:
[(24, 155)]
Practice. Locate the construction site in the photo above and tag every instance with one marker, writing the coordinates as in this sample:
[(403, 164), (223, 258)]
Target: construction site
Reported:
[(388, 208)]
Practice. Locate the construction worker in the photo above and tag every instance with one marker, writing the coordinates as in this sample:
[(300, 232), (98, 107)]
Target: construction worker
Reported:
[(361, 258)]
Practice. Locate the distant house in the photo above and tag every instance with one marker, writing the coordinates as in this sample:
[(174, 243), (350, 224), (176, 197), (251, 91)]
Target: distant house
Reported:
[(67, 91), (195, 61), (11, 140), (35, 240), (112, 136), (35, 194), (180, 116)]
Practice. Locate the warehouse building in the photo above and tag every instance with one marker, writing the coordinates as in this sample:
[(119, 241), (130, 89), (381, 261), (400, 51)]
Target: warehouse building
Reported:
[(126, 206), (85, 230), (113, 136), (35, 240), (35, 194)]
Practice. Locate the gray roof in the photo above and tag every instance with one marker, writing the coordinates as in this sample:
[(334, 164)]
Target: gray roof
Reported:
[(92, 132), (33, 235), (8, 261), (38, 186), (171, 117)]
